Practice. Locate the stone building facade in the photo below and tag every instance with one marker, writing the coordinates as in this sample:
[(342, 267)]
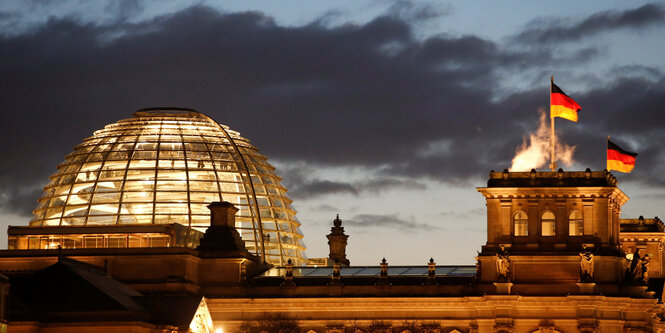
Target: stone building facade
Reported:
[(558, 258), (543, 288)]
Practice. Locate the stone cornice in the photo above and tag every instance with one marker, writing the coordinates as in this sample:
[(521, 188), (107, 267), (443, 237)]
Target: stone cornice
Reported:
[(612, 193)]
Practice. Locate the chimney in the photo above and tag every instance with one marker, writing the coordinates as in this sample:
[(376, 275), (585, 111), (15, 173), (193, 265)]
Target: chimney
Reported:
[(223, 214), (222, 237)]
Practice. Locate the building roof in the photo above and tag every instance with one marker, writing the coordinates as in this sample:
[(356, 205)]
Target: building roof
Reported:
[(641, 224), (559, 178), (374, 271), (165, 165), (70, 288)]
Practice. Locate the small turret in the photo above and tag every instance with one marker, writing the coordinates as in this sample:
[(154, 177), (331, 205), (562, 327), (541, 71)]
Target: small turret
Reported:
[(337, 241)]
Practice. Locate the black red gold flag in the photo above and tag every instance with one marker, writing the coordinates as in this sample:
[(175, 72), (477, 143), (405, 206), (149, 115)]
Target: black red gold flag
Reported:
[(619, 159), (561, 105)]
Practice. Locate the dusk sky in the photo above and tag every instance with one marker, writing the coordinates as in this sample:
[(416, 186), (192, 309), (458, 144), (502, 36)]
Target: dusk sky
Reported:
[(389, 113)]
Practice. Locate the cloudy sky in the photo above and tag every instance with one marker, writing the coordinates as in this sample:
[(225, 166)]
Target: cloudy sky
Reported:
[(389, 113)]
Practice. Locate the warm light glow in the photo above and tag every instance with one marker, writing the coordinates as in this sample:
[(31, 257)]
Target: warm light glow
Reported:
[(219, 330), (534, 152), (163, 167)]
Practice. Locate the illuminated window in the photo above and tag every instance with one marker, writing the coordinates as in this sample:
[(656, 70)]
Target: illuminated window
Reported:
[(163, 167), (548, 224), (521, 224), (575, 224)]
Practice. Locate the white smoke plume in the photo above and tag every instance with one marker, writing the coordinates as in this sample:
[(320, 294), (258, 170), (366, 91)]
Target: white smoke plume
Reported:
[(534, 152)]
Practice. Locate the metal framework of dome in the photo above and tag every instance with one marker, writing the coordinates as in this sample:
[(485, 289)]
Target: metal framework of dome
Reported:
[(164, 166)]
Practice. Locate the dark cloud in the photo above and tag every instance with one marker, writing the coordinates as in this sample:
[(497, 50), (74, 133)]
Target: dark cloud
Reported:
[(636, 71), (19, 200), (383, 184), (304, 183), (123, 10), (368, 95), (319, 188), (410, 11), (543, 30), (325, 208), (388, 221), (463, 215)]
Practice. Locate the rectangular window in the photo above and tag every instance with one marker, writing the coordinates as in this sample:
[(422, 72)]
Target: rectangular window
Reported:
[(159, 241), (117, 241), (576, 228), (521, 228), (93, 242), (548, 228)]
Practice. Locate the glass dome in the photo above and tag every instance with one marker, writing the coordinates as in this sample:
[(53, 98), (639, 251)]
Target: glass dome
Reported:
[(164, 166)]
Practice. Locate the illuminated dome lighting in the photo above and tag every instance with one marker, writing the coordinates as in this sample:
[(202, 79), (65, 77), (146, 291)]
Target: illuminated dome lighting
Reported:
[(164, 166)]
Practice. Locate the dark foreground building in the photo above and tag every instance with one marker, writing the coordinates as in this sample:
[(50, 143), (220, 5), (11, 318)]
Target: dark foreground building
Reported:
[(170, 222)]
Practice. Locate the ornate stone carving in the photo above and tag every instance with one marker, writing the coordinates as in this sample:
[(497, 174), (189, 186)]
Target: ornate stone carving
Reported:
[(335, 278), (546, 326), (639, 268), (383, 276), (503, 264), (586, 265), (504, 328), (288, 276), (588, 326)]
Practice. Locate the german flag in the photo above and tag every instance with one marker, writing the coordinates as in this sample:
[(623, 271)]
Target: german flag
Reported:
[(619, 159), (561, 105)]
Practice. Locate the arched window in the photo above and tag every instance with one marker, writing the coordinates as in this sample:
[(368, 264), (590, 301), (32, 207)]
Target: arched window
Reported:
[(521, 224), (575, 224), (548, 224)]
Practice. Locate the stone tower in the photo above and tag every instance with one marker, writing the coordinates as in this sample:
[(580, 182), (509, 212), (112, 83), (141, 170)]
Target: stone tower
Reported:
[(540, 225), (337, 241)]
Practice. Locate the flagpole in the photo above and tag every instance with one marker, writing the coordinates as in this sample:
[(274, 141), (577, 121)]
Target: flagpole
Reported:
[(607, 167), (553, 164)]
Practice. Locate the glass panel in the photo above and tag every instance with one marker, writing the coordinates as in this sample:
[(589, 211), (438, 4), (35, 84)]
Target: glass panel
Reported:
[(200, 208), (171, 208), (112, 175), (137, 197), (203, 186), (139, 185), (144, 155), (171, 164), (146, 146), (102, 219), (171, 174), (201, 220), (140, 174), (117, 241), (92, 242), (135, 219), (137, 241), (205, 197), (144, 164), (202, 175), (172, 196), (136, 208), (171, 185), (104, 197), (159, 241)]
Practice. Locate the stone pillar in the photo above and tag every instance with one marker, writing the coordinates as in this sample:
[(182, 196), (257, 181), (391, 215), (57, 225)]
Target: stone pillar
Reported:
[(222, 214), (222, 234), (337, 241), (224, 258)]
